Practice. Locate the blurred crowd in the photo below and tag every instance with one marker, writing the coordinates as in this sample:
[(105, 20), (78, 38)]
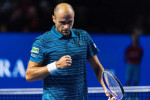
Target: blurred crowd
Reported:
[(99, 16), (24, 15)]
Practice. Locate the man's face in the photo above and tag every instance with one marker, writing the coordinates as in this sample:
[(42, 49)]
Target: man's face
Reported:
[(63, 23)]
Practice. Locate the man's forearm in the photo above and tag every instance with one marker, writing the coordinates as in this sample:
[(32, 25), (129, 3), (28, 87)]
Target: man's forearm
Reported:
[(36, 73), (98, 71), (97, 67)]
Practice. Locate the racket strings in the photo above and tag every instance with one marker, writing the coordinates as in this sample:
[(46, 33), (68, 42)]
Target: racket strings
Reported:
[(113, 85)]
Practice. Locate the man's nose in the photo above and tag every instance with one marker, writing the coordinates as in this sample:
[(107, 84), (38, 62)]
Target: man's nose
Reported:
[(66, 26)]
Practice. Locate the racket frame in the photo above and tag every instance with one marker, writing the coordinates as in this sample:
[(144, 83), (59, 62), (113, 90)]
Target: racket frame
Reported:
[(116, 79)]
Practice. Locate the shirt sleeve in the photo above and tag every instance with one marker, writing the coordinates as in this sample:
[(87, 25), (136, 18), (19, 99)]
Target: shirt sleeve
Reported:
[(37, 52), (91, 47)]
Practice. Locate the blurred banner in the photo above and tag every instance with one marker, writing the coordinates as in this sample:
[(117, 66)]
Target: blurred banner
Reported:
[(15, 53)]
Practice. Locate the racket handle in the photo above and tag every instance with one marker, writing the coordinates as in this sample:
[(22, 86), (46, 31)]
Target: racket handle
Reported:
[(112, 98)]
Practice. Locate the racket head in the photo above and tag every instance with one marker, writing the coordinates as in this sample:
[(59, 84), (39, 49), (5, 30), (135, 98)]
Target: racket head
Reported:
[(112, 84)]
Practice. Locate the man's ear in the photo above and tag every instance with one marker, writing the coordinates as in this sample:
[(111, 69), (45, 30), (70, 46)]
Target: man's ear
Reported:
[(53, 17)]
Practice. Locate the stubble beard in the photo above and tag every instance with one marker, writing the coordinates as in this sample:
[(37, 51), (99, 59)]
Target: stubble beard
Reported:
[(63, 32)]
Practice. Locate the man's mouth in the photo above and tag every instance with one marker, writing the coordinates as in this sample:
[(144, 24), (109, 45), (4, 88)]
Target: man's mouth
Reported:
[(65, 31)]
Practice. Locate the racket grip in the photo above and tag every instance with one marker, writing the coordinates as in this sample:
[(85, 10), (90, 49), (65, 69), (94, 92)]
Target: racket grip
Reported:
[(112, 97)]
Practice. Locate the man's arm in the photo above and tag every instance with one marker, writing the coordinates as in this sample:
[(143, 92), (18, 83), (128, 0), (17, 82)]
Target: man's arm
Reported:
[(98, 68), (36, 71)]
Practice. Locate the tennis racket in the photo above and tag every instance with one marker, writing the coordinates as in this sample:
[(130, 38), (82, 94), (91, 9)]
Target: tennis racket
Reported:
[(113, 85)]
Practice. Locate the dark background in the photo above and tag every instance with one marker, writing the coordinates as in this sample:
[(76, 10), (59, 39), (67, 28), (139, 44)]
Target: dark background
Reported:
[(94, 16)]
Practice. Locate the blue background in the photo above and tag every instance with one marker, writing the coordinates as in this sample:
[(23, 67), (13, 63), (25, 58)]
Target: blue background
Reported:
[(14, 46)]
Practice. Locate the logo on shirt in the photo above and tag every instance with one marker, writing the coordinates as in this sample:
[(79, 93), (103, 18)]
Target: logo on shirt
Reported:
[(80, 44), (35, 50)]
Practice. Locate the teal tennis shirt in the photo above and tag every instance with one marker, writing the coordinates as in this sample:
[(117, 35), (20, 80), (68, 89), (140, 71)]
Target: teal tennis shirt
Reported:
[(69, 83)]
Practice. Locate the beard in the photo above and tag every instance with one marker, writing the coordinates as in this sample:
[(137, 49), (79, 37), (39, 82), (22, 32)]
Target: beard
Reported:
[(64, 31)]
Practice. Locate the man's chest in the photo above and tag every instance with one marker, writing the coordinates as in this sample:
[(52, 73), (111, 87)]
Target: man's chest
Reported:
[(76, 48)]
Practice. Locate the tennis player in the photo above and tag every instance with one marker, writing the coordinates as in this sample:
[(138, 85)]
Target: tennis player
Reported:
[(58, 57)]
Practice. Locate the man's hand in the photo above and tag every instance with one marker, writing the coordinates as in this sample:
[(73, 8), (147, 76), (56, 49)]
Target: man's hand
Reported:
[(109, 95), (64, 62), (111, 98)]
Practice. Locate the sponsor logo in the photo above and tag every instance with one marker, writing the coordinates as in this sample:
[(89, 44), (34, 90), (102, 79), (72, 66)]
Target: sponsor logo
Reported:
[(7, 70), (35, 50)]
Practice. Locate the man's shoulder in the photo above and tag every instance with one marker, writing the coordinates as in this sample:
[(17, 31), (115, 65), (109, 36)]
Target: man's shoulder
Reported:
[(129, 47), (139, 48), (79, 31), (44, 36)]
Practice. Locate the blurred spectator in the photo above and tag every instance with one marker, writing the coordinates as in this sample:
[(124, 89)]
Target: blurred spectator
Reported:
[(32, 19), (3, 28), (17, 20), (45, 9), (139, 25), (133, 56)]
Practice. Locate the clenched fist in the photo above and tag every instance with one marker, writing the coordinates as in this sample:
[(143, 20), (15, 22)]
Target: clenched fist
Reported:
[(64, 62)]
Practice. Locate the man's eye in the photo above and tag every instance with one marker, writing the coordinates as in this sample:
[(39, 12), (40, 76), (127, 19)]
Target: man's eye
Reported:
[(69, 22), (62, 22)]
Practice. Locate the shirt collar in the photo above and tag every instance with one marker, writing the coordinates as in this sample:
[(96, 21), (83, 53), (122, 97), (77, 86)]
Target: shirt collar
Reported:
[(59, 35)]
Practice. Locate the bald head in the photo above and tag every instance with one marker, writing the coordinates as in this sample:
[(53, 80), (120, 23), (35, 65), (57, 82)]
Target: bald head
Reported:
[(63, 9), (63, 18)]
